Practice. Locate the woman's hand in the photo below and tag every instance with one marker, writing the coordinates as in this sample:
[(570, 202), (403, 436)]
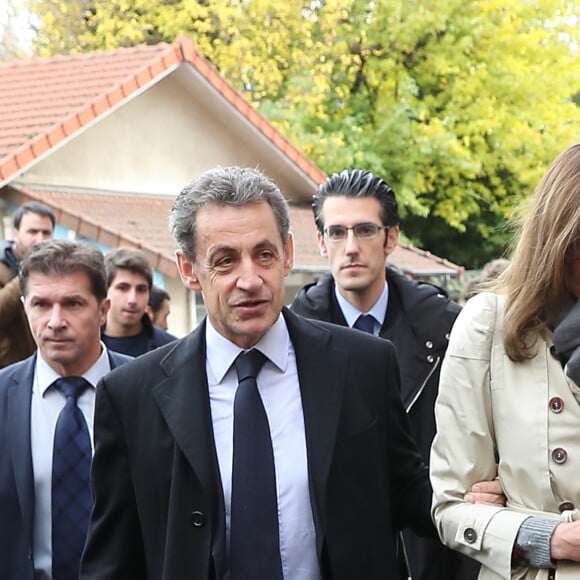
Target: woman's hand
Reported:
[(488, 492)]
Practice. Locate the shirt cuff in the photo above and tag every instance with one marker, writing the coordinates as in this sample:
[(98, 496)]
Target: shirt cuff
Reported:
[(532, 546)]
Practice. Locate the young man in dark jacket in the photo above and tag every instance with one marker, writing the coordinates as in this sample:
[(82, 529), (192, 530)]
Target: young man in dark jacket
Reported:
[(358, 228), (129, 329)]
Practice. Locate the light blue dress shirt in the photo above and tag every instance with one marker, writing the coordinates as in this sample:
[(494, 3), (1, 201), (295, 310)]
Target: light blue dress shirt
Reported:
[(280, 391), (45, 409), (378, 311)]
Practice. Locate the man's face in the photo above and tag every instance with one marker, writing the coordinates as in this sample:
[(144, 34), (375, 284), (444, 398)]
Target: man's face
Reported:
[(129, 295), (240, 266), (34, 228), (65, 319), (160, 317), (357, 265)]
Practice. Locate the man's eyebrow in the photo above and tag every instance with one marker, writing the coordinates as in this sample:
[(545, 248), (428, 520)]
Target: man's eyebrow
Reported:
[(219, 248)]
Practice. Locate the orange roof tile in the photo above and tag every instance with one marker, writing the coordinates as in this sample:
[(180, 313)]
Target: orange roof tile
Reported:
[(44, 101), (142, 221)]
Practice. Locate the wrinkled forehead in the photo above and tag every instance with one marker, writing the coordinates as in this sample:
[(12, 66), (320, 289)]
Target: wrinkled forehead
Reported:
[(57, 285)]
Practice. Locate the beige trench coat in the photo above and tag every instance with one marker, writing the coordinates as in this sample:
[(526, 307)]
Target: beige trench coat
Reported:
[(525, 418)]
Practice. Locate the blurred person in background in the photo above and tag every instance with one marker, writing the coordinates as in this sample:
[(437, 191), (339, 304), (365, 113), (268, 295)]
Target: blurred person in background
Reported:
[(129, 281), (159, 307), (489, 272), (33, 222)]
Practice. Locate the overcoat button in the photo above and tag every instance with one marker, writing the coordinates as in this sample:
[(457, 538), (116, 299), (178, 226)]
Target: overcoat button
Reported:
[(197, 519), (565, 506), (470, 535), (556, 405), (429, 344), (559, 455), (430, 358)]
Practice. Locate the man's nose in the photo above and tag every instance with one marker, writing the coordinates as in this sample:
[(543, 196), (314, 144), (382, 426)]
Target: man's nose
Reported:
[(40, 237), (56, 319), (249, 277), (351, 243)]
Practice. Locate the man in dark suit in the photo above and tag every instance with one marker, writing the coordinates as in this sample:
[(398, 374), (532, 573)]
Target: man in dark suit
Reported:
[(64, 289), (357, 219), (337, 474)]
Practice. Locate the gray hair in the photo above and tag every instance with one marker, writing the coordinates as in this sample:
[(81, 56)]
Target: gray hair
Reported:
[(235, 186)]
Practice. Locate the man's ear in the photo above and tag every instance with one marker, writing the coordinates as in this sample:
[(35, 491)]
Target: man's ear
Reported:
[(392, 239), (289, 254), (321, 244), (187, 271), (104, 311)]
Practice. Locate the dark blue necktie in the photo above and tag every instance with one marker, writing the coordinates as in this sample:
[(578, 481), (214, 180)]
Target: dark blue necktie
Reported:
[(254, 535), (71, 495), (366, 323)]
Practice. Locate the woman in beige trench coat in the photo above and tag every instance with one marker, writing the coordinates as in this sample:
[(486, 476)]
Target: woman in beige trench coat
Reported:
[(509, 401)]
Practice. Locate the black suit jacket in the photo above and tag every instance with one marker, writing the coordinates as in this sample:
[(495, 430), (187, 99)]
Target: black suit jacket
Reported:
[(16, 476), (159, 511)]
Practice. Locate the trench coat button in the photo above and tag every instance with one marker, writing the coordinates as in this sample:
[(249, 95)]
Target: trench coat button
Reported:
[(559, 455), (430, 358), (197, 519), (447, 335), (429, 344), (565, 506), (470, 535), (556, 405)]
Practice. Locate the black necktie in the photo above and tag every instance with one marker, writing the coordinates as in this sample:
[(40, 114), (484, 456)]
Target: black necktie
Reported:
[(71, 496), (254, 536), (366, 323)]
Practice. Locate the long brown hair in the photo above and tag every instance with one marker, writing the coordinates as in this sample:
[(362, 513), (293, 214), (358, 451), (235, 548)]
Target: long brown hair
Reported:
[(535, 281)]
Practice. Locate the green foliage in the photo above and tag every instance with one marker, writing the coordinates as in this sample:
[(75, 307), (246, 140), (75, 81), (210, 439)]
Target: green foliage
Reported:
[(459, 104)]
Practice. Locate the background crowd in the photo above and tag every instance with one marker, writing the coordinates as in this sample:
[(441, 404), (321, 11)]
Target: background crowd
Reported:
[(314, 463)]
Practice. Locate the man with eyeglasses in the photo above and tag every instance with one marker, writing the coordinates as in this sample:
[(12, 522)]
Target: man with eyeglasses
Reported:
[(358, 228)]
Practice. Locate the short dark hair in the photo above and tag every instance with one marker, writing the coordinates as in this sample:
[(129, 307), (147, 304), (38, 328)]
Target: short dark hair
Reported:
[(131, 259), (32, 207), (156, 297), (357, 183), (63, 257)]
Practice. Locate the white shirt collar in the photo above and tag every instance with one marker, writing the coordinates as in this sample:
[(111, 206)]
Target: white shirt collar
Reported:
[(46, 375), (378, 311), (221, 352)]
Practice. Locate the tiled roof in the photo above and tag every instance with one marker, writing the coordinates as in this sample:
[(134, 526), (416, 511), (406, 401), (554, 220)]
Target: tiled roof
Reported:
[(142, 221), (44, 101)]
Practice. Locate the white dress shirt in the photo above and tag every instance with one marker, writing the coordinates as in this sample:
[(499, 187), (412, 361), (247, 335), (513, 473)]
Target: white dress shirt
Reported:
[(280, 391), (378, 311), (46, 406)]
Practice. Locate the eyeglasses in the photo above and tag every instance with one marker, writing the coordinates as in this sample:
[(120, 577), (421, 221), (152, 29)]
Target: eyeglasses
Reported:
[(364, 231)]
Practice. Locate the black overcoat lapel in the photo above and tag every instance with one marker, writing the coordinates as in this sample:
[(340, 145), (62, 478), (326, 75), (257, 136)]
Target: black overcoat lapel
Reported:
[(19, 403), (183, 399), (321, 372)]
